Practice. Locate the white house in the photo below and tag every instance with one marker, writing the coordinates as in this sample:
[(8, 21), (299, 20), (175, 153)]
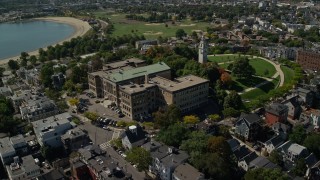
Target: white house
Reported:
[(49, 130)]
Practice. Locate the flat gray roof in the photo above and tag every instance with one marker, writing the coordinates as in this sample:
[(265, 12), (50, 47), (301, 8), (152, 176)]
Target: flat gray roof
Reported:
[(179, 83)]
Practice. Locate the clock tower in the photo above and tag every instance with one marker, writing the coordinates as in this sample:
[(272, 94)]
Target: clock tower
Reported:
[(203, 51)]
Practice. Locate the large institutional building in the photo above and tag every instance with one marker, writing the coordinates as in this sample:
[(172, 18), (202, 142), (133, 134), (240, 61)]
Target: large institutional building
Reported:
[(308, 60), (139, 89)]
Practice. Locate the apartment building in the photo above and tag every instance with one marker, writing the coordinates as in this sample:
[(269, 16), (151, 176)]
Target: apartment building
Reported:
[(308, 60), (50, 130), (188, 92), (38, 108), (138, 91)]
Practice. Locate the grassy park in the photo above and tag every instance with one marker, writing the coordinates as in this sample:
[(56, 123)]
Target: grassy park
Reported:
[(262, 90), (288, 74), (123, 26)]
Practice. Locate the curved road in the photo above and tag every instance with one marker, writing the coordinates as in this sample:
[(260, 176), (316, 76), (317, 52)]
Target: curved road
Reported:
[(277, 66)]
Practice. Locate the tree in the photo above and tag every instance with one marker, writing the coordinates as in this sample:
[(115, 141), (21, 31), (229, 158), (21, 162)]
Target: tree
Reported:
[(168, 116), (214, 117), (140, 157), (312, 143), (233, 100), (242, 69), (215, 166), (91, 115), (230, 112), (173, 135), (265, 174), (300, 167), (74, 101), (195, 145), (117, 143), (218, 144), (191, 119), (298, 134), (13, 65), (226, 79), (276, 158), (180, 33), (46, 73), (96, 63)]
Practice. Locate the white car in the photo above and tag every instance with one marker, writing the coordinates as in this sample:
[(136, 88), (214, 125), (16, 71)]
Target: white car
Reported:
[(123, 155)]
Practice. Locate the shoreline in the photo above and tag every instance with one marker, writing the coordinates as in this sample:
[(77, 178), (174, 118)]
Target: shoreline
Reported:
[(80, 29)]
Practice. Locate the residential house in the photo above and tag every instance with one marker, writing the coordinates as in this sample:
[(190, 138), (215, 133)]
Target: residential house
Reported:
[(5, 91), (187, 172), (244, 162), (248, 126), (141, 43), (100, 165), (165, 159), (292, 151), (74, 139), (50, 130), (313, 172), (58, 80), (306, 95), (133, 136), (79, 170), (281, 129), (10, 147), (276, 112), (55, 174), (315, 118), (27, 169), (262, 162), (274, 143), (241, 152), (294, 108), (207, 127), (234, 144), (38, 108)]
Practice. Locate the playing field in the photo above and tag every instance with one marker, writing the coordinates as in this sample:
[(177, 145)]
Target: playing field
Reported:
[(262, 67), (124, 26)]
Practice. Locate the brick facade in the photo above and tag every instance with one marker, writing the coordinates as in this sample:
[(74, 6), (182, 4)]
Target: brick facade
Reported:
[(308, 60)]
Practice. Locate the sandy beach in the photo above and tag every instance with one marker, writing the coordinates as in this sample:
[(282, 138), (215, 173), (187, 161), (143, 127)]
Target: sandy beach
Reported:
[(81, 27)]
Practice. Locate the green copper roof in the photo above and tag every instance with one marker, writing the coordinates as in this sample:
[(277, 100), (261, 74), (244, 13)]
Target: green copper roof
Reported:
[(138, 72)]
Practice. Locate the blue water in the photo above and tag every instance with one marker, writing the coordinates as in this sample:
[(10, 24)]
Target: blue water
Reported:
[(30, 36)]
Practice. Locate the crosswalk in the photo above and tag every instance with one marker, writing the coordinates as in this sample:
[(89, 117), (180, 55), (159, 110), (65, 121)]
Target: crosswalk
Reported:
[(105, 145)]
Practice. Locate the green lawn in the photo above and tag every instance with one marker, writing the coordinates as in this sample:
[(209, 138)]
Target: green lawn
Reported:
[(123, 26), (262, 90), (240, 85), (262, 67), (288, 74), (222, 58)]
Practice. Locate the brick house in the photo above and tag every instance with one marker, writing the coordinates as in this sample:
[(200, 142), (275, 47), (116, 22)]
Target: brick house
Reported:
[(276, 112)]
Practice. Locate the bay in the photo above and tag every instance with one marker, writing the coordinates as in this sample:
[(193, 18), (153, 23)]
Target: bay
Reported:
[(31, 35)]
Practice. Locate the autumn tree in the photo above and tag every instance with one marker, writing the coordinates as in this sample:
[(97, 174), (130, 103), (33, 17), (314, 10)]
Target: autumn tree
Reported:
[(191, 119), (226, 79), (73, 101)]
